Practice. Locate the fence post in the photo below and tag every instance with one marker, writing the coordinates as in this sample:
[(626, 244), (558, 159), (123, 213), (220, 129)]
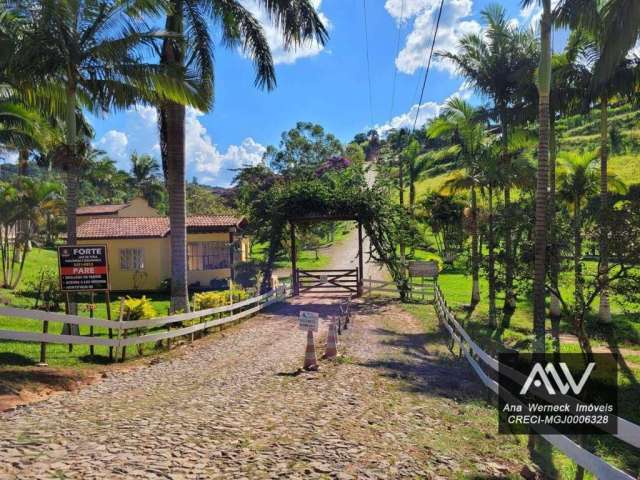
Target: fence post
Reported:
[(43, 346), (91, 308), (120, 319)]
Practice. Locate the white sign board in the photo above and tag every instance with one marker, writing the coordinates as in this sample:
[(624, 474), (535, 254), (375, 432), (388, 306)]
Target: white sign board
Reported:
[(308, 321)]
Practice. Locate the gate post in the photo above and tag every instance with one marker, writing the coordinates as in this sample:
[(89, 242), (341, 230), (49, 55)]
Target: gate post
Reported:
[(360, 274), (294, 254)]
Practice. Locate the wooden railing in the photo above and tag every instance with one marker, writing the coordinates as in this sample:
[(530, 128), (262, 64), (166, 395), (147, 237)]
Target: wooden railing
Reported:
[(122, 328), (628, 432)]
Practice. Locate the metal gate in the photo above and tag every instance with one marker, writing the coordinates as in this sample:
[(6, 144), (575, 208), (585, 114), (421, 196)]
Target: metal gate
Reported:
[(327, 281)]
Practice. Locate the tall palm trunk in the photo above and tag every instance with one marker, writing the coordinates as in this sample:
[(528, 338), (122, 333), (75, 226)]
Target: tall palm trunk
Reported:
[(492, 263), (401, 199), (555, 309), (604, 313), (23, 161), (509, 294), (72, 182), (172, 118), (475, 253), (540, 248)]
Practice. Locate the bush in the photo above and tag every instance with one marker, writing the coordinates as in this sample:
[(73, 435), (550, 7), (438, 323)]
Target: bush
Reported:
[(139, 308), (204, 300), (248, 274)]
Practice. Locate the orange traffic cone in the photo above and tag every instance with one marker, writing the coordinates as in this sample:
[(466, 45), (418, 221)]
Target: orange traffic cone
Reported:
[(310, 360), (332, 341)]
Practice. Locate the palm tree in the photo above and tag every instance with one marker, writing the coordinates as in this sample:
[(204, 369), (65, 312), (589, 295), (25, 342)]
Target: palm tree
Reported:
[(585, 45), (540, 229), (578, 180), (84, 55), (498, 62), (191, 54), (459, 123), (21, 202), (144, 171), (620, 33)]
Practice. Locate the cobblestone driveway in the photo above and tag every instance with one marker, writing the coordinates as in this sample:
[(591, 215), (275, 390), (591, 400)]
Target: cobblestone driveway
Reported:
[(231, 407)]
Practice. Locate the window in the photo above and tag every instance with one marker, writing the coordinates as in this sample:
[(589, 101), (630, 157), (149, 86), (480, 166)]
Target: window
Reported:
[(207, 255), (131, 259)]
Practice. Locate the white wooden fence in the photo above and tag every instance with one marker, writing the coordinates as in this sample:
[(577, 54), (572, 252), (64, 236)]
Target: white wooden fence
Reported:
[(628, 432), (378, 286), (122, 327)]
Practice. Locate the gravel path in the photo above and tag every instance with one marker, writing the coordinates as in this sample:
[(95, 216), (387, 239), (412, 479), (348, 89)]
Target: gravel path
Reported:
[(233, 406)]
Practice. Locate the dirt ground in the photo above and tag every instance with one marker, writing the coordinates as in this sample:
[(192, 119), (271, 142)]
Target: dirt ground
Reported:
[(396, 404)]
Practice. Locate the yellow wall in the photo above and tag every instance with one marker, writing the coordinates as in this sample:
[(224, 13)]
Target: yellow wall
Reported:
[(157, 261), (138, 207)]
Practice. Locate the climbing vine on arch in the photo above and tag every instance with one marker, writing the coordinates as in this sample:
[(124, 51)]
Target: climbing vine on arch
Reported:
[(341, 193)]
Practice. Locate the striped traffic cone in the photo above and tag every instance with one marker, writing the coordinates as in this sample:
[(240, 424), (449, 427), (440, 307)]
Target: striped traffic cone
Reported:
[(332, 341), (310, 360)]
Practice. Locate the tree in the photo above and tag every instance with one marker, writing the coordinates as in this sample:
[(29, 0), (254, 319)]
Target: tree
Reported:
[(459, 124), (202, 201), (302, 150), (144, 171), (74, 54), (585, 45), (21, 202), (499, 63), (579, 180), (443, 214), (541, 217)]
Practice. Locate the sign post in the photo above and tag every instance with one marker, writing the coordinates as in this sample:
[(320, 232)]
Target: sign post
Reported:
[(424, 270), (309, 321), (84, 268)]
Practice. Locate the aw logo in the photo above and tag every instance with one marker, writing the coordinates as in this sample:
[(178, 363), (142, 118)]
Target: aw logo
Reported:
[(555, 381), (557, 394)]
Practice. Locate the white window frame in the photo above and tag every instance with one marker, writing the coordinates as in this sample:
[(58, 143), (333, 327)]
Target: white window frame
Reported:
[(205, 256), (132, 259)]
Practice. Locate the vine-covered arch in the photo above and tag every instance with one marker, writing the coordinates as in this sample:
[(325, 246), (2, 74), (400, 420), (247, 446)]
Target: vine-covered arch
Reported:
[(344, 194)]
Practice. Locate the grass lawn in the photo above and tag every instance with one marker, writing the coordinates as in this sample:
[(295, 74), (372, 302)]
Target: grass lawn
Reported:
[(307, 259), (22, 353)]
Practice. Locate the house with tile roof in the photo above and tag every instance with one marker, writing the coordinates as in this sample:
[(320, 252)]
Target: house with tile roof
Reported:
[(138, 241)]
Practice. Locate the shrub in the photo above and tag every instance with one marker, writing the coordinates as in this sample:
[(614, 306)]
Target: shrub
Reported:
[(139, 308), (206, 300)]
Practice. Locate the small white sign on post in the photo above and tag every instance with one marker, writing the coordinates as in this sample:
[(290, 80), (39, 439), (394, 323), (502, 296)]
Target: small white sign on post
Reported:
[(308, 321)]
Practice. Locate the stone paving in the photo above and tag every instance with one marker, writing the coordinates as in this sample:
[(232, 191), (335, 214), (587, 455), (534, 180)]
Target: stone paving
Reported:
[(234, 407)]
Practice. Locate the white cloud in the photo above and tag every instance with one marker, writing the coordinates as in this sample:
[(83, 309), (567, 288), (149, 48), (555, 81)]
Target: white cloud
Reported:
[(427, 111), (114, 143), (454, 24), (205, 157), (281, 55)]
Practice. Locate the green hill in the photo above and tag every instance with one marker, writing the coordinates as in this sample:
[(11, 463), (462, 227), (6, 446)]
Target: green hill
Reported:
[(581, 132)]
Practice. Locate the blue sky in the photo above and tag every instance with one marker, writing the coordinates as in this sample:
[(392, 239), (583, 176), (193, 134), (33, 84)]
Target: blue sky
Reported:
[(327, 85)]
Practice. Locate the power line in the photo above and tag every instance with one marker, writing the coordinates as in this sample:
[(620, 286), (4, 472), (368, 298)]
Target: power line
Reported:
[(426, 73), (395, 67), (366, 48)]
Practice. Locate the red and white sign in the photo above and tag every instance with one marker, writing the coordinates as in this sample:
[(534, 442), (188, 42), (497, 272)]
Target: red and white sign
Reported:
[(83, 268)]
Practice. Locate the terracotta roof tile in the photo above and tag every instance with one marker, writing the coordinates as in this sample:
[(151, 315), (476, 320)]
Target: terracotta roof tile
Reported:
[(100, 209), (151, 227)]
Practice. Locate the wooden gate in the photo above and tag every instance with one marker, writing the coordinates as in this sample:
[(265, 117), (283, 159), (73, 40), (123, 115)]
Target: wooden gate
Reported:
[(327, 281)]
